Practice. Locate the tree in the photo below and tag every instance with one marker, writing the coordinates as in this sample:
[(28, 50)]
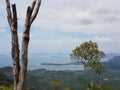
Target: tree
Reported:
[(89, 54), (20, 67), (98, 68)]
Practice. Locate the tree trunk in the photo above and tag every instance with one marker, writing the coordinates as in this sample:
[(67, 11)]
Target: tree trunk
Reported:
[(99, 80), (20, 68)]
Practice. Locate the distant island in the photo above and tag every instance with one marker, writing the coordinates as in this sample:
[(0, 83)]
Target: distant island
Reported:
[(60, 64), (111, 64)]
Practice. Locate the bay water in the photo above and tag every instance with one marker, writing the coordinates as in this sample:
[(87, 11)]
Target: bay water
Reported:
[(35, 61)]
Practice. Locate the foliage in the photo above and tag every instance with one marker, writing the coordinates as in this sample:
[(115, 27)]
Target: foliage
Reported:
[(87, 52), (66, 88), (3, 87), (4, 80), (76, 80), (56, 85), (96, 66), (92, 86)]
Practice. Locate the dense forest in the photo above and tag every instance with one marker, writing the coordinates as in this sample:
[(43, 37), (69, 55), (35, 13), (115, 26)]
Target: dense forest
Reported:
[(42, 79)]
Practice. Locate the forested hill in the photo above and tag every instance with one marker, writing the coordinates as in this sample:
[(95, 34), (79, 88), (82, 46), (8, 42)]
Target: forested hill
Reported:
[(6, 76), (113, 63), (41, 79), (115, 59), (6, 69), (5, 80)]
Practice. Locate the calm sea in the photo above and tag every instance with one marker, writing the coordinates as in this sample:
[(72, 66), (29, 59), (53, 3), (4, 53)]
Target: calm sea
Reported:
[(35, 62)]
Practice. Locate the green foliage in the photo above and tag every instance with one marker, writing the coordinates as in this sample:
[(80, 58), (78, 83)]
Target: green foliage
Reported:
[(87, 52), (92, 86), (66, 88), (56, 85), (4, 80), (76, 80), (2, 87), (96, 66)]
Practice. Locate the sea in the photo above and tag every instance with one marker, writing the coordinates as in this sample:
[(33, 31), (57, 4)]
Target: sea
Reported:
[(35, 61)]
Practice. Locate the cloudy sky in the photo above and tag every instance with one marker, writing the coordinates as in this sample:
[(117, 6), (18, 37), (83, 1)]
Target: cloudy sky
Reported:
[(61, 25)]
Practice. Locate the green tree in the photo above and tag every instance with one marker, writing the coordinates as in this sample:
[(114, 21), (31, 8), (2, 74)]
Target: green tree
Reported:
[(98, 68), (90, 56), (87, 53)]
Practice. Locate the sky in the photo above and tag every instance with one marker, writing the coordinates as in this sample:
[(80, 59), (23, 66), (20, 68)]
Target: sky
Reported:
[(61, 25)]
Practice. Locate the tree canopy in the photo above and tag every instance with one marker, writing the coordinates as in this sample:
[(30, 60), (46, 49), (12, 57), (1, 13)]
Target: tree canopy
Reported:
[(88, 53)]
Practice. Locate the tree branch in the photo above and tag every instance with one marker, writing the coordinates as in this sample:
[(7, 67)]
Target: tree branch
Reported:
[(33, 5), (9, 15), (35, 11), (29, 12), (14, 22)]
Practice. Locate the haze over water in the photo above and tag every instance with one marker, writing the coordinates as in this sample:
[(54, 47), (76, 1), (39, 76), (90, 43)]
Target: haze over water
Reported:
[(35, 61)]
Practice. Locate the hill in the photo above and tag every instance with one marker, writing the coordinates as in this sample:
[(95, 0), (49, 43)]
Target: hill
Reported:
[(111, 55), (41, 79), (113, 64)]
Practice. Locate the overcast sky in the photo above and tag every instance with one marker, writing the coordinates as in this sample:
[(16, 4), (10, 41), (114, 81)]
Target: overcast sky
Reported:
[(61, 25)]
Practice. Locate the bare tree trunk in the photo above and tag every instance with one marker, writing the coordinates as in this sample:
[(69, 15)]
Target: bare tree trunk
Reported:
[(19, 71), (12, 20)]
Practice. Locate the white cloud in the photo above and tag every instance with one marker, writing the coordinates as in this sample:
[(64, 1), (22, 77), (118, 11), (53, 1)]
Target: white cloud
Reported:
[(75, 19), (108, 44), (102, 39), (54, 46), (91, 17)]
